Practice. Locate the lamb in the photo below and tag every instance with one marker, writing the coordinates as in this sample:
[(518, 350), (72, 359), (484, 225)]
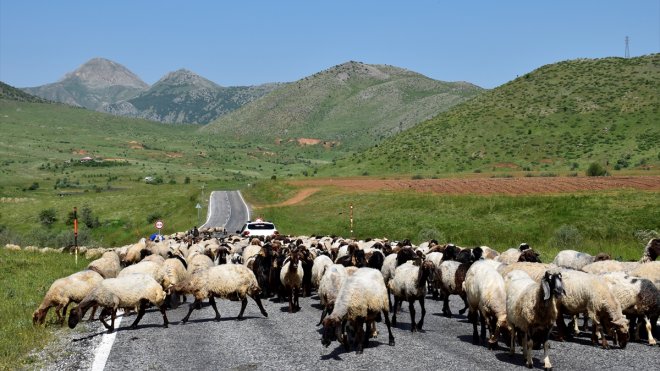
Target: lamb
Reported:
[(63, 291), (639, 297), (127, 292), (576, 260), (291, 277), (321, 263), (531, 308), (361, 299), (108, 265), (452, 274), (409, 284), (228, 281), (334, 277), (486, 298), (588, 293)]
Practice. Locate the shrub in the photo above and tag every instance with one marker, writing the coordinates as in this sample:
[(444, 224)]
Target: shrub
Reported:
[(153, 217), (596, 169), (566, 237), (47, 217)]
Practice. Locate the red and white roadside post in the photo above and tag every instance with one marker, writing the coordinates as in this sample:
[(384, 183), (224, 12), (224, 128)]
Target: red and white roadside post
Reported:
[(75, 231), (159, 225)]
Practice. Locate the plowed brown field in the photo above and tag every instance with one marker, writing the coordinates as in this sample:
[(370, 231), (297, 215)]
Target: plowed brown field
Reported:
[(508, 186)]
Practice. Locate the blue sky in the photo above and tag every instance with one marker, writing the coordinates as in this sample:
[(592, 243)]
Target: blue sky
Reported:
[(252, 42)]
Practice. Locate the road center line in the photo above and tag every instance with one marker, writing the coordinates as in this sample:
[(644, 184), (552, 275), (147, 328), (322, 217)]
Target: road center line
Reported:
[(103, 351)]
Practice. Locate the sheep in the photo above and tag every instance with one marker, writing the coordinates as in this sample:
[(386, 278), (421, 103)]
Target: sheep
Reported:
[(392, 261), (606, 266), (333, 278), (321, 263), (486, 298), (174, 271), (108, 265), (228, 281), (263, 267), (531, 308), (199, 261), (409, 284), (291, 277), (127, 292), (649, 271), (639, 297), (535, 270), (511, 255), (489, 253), (576, 260), (436, 259), (146, 267), (361, 299), (133, 253), (63, 291), (651, 250), (452, 274), (585, 292)]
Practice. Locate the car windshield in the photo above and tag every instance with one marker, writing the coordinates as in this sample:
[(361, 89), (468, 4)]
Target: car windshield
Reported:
[(262, 226)]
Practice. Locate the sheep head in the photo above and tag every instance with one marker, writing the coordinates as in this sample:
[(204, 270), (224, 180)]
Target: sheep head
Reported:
[(552, 285), (529, 255), (602, 256), (39, 316), (331, 330)]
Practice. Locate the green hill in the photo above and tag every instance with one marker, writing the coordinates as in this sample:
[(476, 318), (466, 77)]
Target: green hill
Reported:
[(11, 93), (560, 117), (352, 105)]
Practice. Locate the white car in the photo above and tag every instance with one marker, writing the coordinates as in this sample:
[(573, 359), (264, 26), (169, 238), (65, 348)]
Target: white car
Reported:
[(257, 228)]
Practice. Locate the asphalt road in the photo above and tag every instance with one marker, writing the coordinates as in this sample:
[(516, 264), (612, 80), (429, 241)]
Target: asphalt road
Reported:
[(285, 341)]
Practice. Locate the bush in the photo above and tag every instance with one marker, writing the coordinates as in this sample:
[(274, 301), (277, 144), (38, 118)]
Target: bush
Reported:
[(566, 237), (596, 169), (429, 234), (47, 217), (154, 217)]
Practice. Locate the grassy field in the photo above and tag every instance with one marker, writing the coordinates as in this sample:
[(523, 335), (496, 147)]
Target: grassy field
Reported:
[(25, 277), (616, 222)]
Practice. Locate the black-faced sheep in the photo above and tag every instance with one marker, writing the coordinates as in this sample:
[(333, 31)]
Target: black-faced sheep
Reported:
[(227, 281), (127, 292), (486, 298), (511, 255), (63, 291), (589, 293), (333, 278), (452, 274), (409, 284), (531, 308), (360, 301), (576, 260)]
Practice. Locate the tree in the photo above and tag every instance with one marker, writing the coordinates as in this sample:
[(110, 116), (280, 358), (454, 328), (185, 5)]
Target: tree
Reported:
[(596, 169)]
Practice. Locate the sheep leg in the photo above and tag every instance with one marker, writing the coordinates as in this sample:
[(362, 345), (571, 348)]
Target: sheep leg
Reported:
[(483, 320), (91, 316), (494, 335), (113, 315), (243, 305), (257, 300), (648, 330), (512, 346), (194, 305), (104, 313), (215, 308), (389, 328), (445, 305), (162, 311), (396, 304), (290, 300), (359, 336), (58, 308), (411, 308), (323, 314), (420, 324), (546, 358), (296, 296), (528, 344), (465, 307), (472, 318), (142, 308)]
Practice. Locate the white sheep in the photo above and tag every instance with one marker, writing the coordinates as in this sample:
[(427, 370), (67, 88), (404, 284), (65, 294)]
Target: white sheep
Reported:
[(486, 298), (321, 263), (108, 265), (639, 297), (150, 268), (531, 308), (512, 255), (360, 301), (576, 260), (333, 278), (127, 292), (649, 271), (589, 293), (63, 291), (227, 281), (410, 284)]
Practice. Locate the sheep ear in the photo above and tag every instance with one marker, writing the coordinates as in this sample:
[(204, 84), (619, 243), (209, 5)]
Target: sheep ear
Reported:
[(546, 289)]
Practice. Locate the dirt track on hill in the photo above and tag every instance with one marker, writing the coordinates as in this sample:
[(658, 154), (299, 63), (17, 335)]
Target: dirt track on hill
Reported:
[(485, 186)]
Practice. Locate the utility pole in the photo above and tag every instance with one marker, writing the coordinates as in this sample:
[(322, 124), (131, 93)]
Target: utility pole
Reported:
[(627, 55)]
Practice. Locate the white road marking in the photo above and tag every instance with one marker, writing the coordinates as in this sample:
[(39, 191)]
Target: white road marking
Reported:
[(244, 204), (103, 351)]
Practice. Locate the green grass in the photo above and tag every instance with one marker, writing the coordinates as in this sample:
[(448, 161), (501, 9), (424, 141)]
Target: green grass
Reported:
[(25, 277), (606, 221)]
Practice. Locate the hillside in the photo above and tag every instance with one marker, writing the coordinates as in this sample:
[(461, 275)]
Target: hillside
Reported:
[(183, 97), (94, 84), (560, 117), (353, 105), (9, 92)]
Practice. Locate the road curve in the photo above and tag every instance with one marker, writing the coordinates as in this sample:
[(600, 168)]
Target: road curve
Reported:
[(227, 209)]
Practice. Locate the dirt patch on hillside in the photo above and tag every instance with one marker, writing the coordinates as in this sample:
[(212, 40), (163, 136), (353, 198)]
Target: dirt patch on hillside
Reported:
[(509, 186), (299, 197)]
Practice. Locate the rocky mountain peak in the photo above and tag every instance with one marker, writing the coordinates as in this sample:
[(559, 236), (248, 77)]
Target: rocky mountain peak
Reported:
[(184, 77), (102, 73)]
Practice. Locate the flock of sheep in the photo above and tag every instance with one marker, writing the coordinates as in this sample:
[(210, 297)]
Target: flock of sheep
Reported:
[(514, 295)]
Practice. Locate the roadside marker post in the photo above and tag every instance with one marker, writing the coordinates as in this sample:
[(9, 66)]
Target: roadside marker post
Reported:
[(159, 225), (75, 231)]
